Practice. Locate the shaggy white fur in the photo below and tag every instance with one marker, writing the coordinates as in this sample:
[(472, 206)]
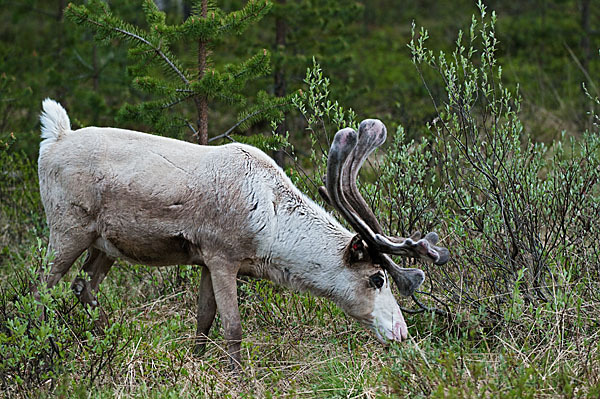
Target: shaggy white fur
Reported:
[(55, 122)]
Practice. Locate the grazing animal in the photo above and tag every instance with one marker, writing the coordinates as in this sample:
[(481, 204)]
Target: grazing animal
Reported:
[(229, 209)]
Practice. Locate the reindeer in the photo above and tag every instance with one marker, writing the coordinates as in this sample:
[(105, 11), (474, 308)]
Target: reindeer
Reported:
[(228, 209)]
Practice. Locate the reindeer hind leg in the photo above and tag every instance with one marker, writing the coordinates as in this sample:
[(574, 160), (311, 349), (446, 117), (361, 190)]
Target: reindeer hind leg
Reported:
[(66, 245), (207, 309), (96, 266)]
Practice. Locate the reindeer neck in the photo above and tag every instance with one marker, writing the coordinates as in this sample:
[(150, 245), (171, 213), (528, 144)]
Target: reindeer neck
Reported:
[(306, 251)]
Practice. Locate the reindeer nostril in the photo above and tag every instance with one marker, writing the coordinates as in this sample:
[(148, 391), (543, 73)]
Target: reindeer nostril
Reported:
[(400, 330)]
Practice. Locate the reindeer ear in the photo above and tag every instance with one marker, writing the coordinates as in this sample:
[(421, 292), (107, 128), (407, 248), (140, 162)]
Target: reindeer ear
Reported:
[(357, 250)]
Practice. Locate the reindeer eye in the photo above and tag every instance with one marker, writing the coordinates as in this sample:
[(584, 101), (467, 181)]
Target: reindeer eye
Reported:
[(376, 280)]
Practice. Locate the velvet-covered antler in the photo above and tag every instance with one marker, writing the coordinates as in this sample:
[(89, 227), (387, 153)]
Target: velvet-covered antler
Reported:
[(348, 152)]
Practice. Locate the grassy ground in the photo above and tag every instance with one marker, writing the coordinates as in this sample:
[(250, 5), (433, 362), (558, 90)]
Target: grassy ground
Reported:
[(295, 345)]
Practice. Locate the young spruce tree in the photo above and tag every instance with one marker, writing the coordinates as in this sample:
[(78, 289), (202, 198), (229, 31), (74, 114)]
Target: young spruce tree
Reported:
[(175, 87)]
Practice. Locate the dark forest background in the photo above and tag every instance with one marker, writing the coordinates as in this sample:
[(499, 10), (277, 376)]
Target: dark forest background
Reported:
[(548, 47)]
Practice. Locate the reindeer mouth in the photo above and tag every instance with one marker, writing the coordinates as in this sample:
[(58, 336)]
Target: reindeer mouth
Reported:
[(387, 321), (398, 333)]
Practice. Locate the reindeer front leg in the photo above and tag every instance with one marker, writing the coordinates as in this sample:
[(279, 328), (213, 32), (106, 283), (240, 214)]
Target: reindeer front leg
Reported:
[(224, 277), (207, 308)]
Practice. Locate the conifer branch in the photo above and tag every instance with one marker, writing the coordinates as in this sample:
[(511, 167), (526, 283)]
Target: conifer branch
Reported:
[(241, 121), (157, 50), (265, 7), (177, 101), (137, 37), (231, 129), (194, 132)]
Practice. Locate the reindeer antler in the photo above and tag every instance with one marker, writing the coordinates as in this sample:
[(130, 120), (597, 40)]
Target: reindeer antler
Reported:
[(348, 152)]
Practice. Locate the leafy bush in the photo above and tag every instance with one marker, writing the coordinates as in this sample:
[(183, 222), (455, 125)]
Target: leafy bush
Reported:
[(323, 117), (52, 339), (20, 209), (520, 214)]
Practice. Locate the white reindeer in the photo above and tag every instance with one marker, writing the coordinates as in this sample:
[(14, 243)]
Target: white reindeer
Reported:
[(229, 209)]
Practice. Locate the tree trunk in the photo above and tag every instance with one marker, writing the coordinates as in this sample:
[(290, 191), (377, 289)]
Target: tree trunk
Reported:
[(280, 83), (60, 34), (202, 101), (61, 9)]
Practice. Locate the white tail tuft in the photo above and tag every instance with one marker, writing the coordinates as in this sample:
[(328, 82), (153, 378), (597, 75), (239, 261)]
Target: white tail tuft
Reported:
[(55, 122)]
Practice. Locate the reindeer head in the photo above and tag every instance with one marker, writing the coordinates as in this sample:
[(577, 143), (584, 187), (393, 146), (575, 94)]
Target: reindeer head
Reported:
[(370, 248)]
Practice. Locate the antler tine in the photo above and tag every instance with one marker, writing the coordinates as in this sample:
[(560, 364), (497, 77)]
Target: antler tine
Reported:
[(407, 279), (344, 144), (371, 134), (346, 156)]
